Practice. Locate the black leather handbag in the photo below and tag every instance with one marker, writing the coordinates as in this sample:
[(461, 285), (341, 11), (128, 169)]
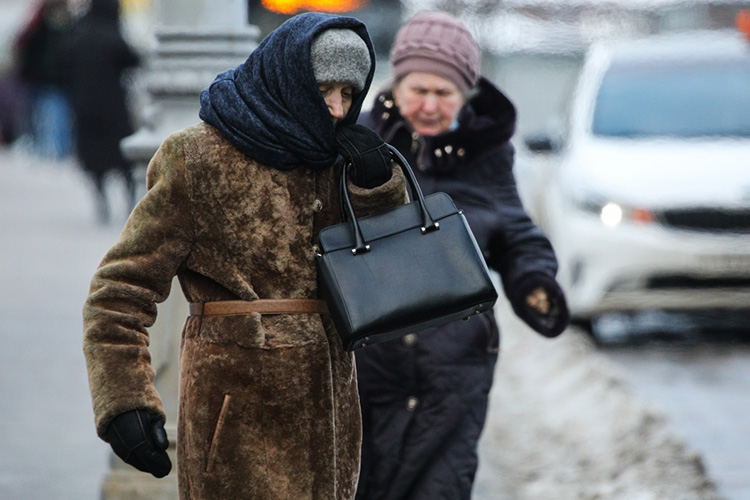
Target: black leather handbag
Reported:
[(409, 268)]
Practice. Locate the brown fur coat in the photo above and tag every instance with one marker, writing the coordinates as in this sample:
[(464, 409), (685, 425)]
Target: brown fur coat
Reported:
[(268, 404)]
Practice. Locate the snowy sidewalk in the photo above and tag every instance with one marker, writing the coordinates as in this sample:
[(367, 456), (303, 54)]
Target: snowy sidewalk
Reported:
[(49, 248)]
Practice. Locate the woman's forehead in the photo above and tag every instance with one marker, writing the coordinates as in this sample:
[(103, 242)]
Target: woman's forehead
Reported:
[(428, 81)]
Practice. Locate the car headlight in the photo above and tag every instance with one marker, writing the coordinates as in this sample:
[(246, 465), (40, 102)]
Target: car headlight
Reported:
[(613, 214)]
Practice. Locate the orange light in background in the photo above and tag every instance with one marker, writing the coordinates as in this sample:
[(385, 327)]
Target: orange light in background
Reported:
[(743, 22), (294, 6), (642, 216)]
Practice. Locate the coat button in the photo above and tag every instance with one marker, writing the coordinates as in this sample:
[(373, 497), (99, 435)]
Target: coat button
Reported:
[(317, 205), (409, 340), (448, 149), (412, 403), (461, 152), (438, 153)]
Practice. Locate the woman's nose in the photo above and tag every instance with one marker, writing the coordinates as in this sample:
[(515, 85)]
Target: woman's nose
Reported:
[(335, 106), (429, 105)]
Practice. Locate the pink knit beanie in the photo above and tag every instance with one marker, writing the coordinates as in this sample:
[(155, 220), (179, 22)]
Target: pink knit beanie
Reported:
[(438, 43)]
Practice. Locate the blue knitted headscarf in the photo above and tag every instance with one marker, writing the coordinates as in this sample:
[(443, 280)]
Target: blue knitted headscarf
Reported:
[(270, 106)]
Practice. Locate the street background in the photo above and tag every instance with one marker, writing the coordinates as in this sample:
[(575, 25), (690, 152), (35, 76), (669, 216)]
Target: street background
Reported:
[(568, 419), (49, 247)]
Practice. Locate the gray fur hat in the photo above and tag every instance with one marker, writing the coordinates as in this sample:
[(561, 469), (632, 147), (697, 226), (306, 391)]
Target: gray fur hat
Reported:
[(340, 55)]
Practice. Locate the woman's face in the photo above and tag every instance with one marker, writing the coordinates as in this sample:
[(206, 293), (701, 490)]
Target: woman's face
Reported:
[(430, 103), (338, 98)]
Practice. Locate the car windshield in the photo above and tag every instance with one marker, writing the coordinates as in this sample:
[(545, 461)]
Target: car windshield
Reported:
[(706, 99)]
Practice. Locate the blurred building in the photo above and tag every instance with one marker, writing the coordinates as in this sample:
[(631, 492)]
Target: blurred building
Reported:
[(569, 26), (533, 49)]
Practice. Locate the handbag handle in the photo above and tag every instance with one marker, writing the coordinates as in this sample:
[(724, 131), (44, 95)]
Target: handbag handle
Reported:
[(428, 224)]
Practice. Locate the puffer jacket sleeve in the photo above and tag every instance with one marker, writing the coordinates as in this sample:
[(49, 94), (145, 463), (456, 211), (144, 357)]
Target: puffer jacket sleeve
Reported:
[(522, 253), (516, 245), (133, 277)]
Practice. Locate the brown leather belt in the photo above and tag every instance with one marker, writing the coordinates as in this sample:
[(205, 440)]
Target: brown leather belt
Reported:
[(262, 306)]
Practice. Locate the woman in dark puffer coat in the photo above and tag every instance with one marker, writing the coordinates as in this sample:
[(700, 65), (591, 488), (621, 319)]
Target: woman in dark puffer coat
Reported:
[(424, 397)]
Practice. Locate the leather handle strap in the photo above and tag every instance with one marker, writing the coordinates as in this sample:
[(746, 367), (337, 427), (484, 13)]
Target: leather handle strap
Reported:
[(262, 306), (428, 223)]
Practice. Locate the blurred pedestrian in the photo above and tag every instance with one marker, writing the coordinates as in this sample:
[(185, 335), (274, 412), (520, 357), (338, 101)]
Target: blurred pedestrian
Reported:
[(38, 52), (268, 398), (424, 397), (97, 58), (13, 99)]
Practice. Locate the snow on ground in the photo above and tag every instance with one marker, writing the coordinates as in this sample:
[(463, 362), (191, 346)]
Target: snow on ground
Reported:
[(565, 425)]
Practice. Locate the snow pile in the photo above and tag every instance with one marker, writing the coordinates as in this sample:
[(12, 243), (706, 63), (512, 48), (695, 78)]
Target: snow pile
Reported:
[(563, 424)]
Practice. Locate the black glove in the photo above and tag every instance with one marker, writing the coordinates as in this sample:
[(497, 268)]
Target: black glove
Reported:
[(556, 320), (369, 155), (139, 439)]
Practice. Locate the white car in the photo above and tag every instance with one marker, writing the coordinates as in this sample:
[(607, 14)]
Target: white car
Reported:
[(649, 205)]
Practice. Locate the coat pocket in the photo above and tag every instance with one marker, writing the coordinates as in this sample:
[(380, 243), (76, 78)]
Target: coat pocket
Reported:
[(211, 456)]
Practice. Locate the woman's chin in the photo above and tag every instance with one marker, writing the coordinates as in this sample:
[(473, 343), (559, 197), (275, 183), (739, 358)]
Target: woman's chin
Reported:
[(427, 130)]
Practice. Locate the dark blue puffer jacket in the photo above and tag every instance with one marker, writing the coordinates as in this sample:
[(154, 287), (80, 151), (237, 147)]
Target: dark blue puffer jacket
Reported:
[(424, 397)]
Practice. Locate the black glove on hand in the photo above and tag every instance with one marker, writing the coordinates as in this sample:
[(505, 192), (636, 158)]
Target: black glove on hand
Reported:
[(140, 440), (556, 320), (369, 155)]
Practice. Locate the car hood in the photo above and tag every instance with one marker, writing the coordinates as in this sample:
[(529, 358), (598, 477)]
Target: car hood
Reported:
[(660, 173)]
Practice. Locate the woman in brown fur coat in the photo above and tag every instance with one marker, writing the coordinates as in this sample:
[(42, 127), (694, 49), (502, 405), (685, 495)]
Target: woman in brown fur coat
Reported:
[(268, 397)]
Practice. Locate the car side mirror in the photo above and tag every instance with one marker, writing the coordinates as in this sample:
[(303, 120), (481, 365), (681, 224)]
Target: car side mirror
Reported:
[(542, 143)]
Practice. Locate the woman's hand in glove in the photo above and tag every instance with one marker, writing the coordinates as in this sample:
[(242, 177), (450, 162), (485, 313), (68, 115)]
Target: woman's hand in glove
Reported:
[(539, 300), (368, 154), (139, 439)]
